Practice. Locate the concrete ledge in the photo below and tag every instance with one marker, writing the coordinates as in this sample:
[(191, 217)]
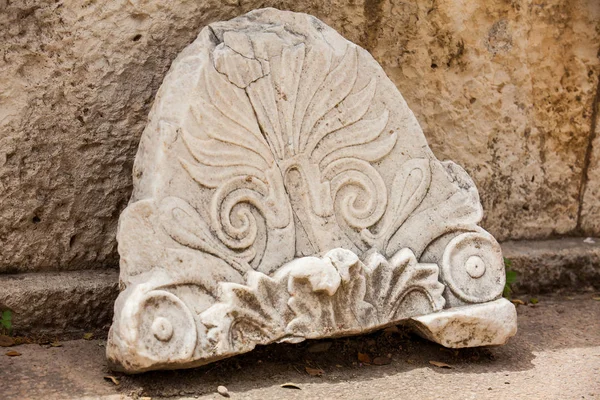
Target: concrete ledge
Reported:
[(59, 302), (545, 266), (72, 302)]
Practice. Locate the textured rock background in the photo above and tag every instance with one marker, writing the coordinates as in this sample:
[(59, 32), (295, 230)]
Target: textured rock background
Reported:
[(505, 88)]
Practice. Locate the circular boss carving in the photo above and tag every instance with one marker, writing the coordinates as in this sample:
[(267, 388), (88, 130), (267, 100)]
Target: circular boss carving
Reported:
[(473, 267), (162, 329), (166, 327)]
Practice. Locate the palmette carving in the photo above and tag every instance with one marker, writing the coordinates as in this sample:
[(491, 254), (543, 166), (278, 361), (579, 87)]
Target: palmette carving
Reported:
[(249, 155), (284, 191)]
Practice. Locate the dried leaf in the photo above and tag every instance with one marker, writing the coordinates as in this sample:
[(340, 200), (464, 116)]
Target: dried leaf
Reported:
[(112, 378), (23, 340), (364, 358), (13, 353), (314, 371), (518, 302), (222, 390), (440, 364), (55, 344), (320, 347), (6, 341), (290, 385), (88, 336), (596, 298), (382, 360)]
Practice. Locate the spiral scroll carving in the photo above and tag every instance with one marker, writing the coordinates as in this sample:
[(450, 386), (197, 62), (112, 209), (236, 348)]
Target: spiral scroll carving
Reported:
[(364, 184), (473, 268), (155, 325), (166, 326)]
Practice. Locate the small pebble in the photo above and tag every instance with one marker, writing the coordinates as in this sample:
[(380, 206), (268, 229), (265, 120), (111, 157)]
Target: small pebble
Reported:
[(222, 390)]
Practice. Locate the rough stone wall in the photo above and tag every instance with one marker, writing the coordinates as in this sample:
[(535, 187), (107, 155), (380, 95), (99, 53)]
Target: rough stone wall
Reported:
[(589, 221), (507, 91), (505, 88)]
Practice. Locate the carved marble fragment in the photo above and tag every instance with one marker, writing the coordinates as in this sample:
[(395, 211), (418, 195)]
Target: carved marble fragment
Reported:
[(283, 190)]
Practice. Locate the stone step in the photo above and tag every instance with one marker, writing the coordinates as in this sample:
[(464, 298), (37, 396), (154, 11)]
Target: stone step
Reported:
[(546, 266), (65, 303), (69, 303)]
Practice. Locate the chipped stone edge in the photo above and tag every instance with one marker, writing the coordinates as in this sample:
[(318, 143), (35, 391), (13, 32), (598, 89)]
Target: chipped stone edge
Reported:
[(486, 324)]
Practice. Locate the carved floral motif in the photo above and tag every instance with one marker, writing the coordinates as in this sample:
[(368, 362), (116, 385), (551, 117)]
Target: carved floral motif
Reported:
[(299, 201)]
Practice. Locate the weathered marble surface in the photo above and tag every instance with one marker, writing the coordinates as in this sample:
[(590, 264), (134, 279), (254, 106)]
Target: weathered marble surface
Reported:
[(283, 191)]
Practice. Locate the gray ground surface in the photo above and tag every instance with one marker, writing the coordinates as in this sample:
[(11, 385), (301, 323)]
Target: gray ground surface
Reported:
[(555, 355)]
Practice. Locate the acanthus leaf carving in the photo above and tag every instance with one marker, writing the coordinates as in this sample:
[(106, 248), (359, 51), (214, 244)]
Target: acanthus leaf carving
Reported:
[(312, 297)]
